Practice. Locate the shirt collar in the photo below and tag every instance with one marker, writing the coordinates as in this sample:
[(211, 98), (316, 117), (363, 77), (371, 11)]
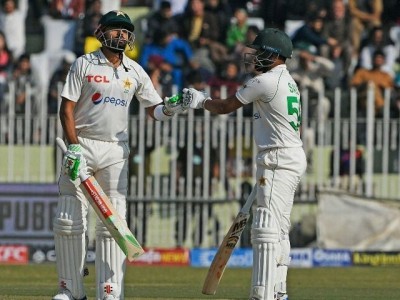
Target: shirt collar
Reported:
[(103, 59), (279, 67)]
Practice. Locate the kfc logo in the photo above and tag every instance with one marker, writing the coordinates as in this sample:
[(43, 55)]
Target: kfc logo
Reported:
[(14, 254)]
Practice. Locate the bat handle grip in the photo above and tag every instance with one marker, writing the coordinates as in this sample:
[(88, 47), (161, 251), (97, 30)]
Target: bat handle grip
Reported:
[(61, 144), (250, 199), (82, 175)]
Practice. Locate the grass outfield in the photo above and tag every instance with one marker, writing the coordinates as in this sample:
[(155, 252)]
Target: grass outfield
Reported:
[(37, 282)]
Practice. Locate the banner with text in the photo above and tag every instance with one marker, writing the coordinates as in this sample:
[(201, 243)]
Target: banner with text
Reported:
[(26, 213)]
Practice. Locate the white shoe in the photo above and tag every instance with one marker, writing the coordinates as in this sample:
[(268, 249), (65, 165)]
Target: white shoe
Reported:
[(65, 295), (282, 296), (109, 297)]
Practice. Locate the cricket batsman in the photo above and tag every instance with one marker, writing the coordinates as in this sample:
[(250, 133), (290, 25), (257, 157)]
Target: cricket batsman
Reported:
[(280, 159), (94, 112)]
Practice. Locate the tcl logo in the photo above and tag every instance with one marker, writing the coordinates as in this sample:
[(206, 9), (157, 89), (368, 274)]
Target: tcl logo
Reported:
[(14, 254), (97, 78)]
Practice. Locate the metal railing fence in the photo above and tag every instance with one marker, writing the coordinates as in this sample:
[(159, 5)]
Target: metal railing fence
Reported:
[(199, 156), (190, 175)]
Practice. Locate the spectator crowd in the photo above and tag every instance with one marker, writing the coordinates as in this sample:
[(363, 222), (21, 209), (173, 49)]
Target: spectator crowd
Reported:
[(337, 44)]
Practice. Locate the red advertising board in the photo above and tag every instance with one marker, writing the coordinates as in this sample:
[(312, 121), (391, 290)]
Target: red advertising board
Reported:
[(163, 257), (14, 254)]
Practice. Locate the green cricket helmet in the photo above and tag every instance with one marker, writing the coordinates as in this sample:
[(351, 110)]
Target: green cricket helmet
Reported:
[(113, 21), (269, 44)]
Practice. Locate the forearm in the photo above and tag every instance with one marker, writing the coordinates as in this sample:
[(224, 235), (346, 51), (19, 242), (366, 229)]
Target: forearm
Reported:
[(193, 98), (325, 66), (68, 125), (365, 16), (220, 106), (377, 8), (68, 121), (355, 12), (357, 79)]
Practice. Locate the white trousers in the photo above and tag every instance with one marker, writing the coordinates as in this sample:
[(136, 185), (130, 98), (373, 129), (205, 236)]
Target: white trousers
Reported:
[(279, 171), (108, 163)]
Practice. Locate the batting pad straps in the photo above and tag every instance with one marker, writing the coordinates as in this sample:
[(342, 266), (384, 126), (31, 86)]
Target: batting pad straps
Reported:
[(264, 235), (161, 113), (68, 227), (264, 229)]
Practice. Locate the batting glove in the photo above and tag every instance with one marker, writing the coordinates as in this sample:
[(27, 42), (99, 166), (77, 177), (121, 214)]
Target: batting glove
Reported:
[(74, 161), (173, 105), (193, 98)]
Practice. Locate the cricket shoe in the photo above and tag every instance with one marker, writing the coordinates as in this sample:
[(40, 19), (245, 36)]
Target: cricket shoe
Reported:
[(282, 297), (65, 295)]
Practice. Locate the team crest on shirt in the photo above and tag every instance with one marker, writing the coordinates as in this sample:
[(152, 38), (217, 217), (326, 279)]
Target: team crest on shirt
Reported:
[(127, 85), (262, 181)]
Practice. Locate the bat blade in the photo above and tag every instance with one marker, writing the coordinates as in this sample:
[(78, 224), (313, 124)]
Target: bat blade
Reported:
[(107, 214), (226, 248), (112, 220)]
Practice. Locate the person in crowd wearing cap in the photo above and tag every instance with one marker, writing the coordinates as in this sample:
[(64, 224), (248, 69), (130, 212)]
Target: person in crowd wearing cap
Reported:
[(94, 111)]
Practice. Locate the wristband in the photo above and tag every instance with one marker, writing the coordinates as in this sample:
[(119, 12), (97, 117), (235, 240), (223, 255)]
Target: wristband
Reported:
[(161, 113), (166, 111), (204, 102)]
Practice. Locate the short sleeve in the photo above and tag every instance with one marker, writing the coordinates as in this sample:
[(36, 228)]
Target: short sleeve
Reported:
[(146, 93), (254, 89), (73, 84)]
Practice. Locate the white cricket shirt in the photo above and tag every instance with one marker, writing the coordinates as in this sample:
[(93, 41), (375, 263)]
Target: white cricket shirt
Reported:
[(103, 93), (277, 109)]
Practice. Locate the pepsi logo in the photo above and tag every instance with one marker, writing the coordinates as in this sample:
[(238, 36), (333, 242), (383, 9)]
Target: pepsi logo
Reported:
[(96, 98)]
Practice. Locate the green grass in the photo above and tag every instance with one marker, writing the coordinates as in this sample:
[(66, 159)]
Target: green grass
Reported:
[(38, 282)]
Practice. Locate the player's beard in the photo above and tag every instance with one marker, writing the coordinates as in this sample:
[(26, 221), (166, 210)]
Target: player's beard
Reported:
[(118, 45), (260, 69)]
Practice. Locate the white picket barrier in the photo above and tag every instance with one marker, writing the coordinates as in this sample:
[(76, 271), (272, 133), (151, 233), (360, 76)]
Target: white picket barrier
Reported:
[(197, 155), (189, 175)]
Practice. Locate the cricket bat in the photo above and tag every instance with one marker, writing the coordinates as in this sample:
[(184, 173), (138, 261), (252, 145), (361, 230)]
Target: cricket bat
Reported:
[(225, 250), (107, 213)]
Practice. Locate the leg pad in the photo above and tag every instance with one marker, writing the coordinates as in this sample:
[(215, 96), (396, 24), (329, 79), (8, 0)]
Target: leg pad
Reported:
[(70, 244), (110, 260), (266, 249)]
